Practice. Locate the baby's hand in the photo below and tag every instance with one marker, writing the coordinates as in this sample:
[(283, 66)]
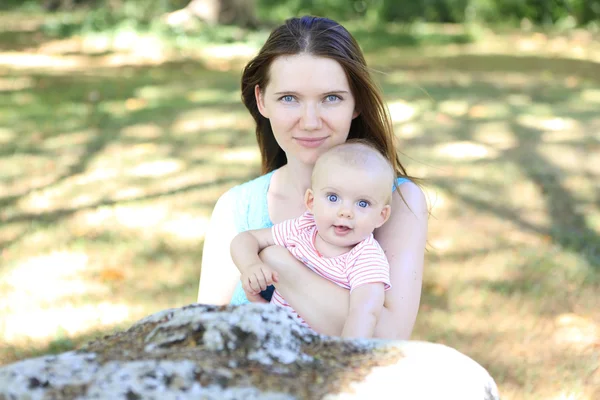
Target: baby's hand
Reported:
[(254, 297), (257, 277)]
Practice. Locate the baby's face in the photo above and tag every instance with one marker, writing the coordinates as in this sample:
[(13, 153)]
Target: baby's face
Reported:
[(349, 203)]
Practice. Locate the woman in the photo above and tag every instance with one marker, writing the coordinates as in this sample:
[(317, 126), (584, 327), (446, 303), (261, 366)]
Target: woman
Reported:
[(309, 89)]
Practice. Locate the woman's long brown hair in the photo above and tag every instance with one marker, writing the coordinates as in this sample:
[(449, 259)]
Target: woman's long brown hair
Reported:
[(320, 37)]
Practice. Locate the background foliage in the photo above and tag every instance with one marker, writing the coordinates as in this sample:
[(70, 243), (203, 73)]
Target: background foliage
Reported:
[(569, 12)]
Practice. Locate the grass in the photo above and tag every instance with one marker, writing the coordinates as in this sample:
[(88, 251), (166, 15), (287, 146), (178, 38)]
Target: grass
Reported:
[(111, 163)]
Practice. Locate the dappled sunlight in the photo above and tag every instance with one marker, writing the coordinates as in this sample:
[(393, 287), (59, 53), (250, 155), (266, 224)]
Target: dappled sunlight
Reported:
[(40, 61), (119, 155), (489, 109), (438, 202), (140, 217), (544, 123), (158, 220), (155, 169), (591, 95), (409, 130), (401, 111), (205, 152), (187, 227), (116, 108), (144, 46), (157, 93), (454, 108), (572, 395), (229, 51), (7, 135), (466, 150), (209, 95), (575, 331), (519, 99), (69, 141), (243, 155), (495, 134), (192, 122), (25, 166), (567, 135), (442, 245), (566, 158), (20, 174), (142, 52), (15, 83), (142, 131), (20, 99), (10, 232), (24, 324), (62, 46), (70, 192), (57, 275), (38, 293)]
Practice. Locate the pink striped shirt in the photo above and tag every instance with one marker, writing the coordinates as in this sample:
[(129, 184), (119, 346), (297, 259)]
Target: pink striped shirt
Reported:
[(365, 263)]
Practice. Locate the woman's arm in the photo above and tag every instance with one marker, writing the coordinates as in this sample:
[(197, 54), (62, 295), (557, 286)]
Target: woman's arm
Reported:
[(324, 305), (218, 274), (366, 302), (403, 238)]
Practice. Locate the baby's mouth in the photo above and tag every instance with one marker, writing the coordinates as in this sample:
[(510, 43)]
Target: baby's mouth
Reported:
[(341, 229)]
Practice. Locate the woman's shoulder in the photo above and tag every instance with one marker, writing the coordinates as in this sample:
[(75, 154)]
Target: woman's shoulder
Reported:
[(249, 189), (248, 203), (400, 181), (409, 196)]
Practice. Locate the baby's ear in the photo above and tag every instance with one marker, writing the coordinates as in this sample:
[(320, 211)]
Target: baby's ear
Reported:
[(309, 199), (384, 215)]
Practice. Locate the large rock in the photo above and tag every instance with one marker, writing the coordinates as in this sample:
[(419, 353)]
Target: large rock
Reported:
[(247, 352)]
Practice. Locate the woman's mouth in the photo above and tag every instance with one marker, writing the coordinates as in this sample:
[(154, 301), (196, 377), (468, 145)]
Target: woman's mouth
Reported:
[(310, 142)]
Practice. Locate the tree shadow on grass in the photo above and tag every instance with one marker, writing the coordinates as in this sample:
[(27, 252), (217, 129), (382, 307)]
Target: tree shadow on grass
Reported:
[(215, 96), (568, 227)]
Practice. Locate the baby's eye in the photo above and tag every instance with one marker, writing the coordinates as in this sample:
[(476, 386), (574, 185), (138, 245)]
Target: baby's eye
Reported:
[(363, 204), (332, 98), (287, 98), (332, 198)]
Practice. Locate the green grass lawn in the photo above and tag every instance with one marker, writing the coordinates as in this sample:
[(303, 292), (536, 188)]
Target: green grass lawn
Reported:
[(110, 165)]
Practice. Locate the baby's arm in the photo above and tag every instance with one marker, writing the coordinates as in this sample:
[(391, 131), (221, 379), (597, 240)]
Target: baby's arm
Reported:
[(366, 302), (255, 275)]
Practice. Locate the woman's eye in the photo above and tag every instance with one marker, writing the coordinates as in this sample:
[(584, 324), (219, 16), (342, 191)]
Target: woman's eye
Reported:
[(363, 204), (332, 198), (287, 99), (332, 98)]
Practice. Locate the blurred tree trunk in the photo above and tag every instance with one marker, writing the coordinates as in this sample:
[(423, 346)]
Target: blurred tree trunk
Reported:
[(228, 12)]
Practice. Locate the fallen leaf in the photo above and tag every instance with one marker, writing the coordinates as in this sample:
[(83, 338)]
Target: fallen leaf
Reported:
[(477, 111), (112, 274), (571, 82), (134, 104), (442, 118)]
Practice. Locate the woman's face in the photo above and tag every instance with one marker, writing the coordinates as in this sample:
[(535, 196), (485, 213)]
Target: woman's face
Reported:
[(309, 105)]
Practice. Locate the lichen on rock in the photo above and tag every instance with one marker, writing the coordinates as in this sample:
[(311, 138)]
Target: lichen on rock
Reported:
[(243, 352), (265, 332)]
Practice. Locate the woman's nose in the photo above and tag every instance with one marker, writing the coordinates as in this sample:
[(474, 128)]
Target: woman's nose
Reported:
[(310, 118)]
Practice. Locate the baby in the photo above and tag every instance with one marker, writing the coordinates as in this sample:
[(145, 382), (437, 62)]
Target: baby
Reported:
[(350, 196)]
